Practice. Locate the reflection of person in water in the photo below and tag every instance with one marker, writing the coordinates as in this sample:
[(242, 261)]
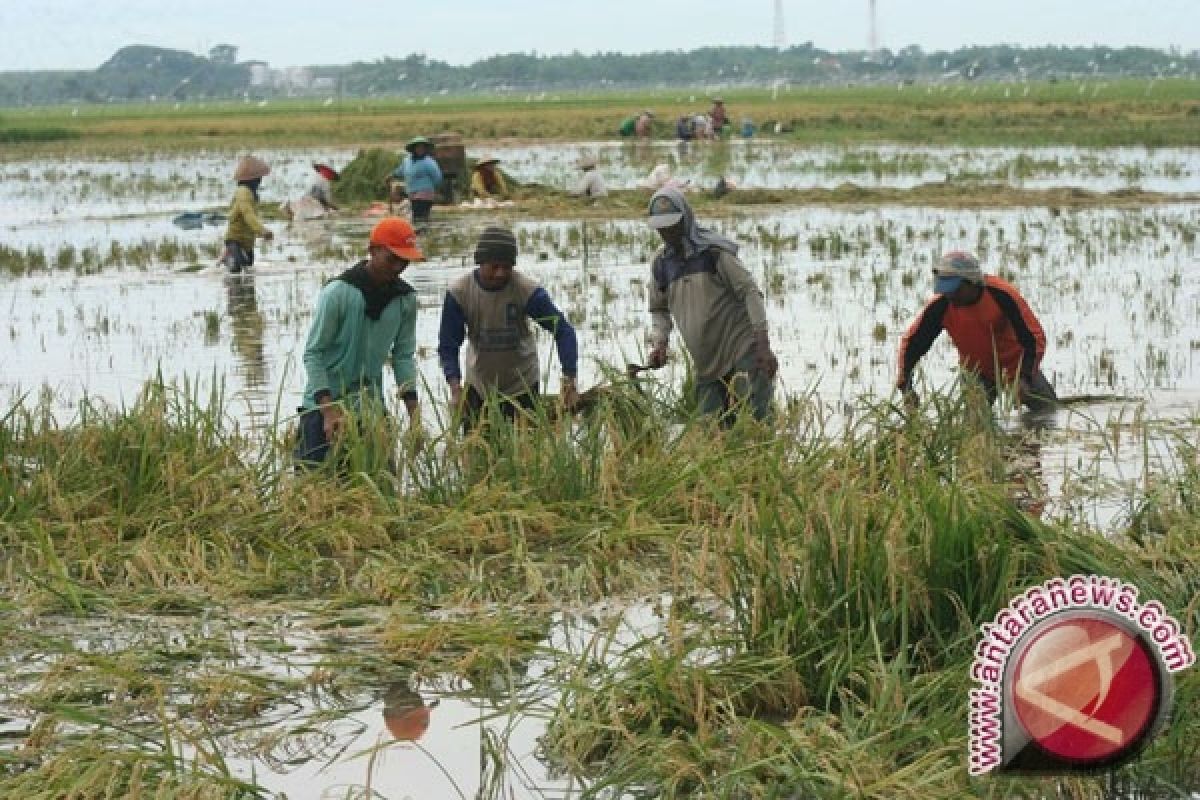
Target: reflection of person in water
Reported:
[(1027, 480), (405, 713), (248, 325)]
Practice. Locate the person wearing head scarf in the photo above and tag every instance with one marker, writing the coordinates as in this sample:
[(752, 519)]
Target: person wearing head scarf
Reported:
[(487, 181), (699, 285), (490, 308), (997, 335), (591, 183), (422, 177), (244, 225)]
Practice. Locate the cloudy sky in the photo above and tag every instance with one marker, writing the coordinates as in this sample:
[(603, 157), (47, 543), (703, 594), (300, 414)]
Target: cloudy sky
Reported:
[(81, 34)]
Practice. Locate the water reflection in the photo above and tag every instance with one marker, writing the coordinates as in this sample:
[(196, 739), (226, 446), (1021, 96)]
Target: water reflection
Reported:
[(1027, 476), (405, 713), (249, 347)]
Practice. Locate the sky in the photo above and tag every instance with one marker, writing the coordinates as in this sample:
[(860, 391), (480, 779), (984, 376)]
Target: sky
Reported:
[(82, 34)]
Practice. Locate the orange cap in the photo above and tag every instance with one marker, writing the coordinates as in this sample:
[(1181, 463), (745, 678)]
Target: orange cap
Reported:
[(397, 235)]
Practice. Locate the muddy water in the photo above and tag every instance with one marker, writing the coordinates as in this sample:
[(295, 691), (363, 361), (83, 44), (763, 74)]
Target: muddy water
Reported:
[(66, 190), (332, 720), (1117, 291), (765, 163)]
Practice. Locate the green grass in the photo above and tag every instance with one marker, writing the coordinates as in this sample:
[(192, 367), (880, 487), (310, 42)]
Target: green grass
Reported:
[(821, 593)]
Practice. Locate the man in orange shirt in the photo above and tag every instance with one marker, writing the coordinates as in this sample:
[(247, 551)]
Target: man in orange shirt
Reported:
[(997, 336)]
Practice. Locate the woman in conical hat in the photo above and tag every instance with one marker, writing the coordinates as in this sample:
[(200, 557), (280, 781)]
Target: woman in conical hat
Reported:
[(487, 181), (244, 225)]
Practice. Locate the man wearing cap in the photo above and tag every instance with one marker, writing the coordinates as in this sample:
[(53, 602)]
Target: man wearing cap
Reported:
[(997, 336), (421, 175), (490, 308), (365, 317), (698, 282), (487, 181), (591, 183)]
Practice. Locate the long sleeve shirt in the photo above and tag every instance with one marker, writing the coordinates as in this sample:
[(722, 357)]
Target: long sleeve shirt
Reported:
[(346, 350), (999, 330), (422, 176), (501, 350), (714, 301), (244, 224), (479, 185)]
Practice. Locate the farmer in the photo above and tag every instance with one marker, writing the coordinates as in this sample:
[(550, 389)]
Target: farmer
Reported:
[(322, 187), (487, 181), (365, 317), (997, 336), (591, 183), (421, 175), (318, 201), (685, 128), (718, 115), (639, 125), (698, 281), (244, 225), (490, 308)]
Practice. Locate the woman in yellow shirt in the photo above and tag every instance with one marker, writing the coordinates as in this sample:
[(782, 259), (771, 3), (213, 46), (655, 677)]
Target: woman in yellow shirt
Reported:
[(244, 225), (487, 181)]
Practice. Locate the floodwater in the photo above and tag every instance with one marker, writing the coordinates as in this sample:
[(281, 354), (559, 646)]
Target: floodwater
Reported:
[(1117, 291), (38, 191)]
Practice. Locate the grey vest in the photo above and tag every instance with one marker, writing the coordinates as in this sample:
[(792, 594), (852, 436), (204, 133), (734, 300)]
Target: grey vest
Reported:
[(501, 351)]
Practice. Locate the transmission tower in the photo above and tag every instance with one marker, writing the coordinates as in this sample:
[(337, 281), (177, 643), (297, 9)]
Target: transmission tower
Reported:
[(780, 38)]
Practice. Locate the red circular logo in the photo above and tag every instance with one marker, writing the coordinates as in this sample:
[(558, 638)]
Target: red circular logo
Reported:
[(1085, 689)]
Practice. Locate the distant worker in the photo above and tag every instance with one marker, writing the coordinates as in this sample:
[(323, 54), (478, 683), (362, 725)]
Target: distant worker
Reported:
[(318, 201), (490, 308), (698, 281), (645, 124), (422, 177), (322, 186), (640, 125), (718, 115), (244, 225), (997, 336), (685, 128), (365, 318), (660, 178), (487, 181), (591, 183)]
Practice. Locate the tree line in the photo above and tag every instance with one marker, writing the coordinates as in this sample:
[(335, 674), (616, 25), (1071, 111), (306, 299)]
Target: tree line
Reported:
[(141, 73)]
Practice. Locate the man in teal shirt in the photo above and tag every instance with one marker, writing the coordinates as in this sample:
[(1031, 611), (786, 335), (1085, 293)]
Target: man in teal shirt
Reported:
[(365, 317)]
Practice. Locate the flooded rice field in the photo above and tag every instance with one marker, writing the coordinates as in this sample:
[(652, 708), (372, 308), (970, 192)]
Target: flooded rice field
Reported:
[(273, 692), (44, 191)]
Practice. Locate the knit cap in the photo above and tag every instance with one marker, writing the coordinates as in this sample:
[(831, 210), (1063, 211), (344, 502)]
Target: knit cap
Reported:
[(496, 246)]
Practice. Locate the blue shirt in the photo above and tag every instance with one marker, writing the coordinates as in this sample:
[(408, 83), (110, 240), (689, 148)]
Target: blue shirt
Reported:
[(420, 175)]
